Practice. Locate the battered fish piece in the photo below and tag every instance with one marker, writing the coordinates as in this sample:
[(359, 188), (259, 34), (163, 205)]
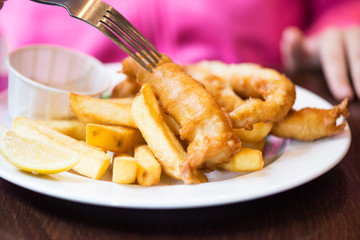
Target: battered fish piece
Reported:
[(218, 87), (309, 124), (125, 89), (202, 121), (270, 94)]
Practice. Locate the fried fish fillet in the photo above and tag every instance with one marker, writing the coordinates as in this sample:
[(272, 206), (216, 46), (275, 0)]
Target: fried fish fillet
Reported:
[(309, 124), (203, 123)]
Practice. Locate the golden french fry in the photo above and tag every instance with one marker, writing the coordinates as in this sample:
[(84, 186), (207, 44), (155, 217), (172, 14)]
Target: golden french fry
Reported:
[(259, 132), (246, 160), (125, 101), (255, 145), (161, 140), (124, 169), (118, 139), (94, 110), (72, 127), (93, 162), (149, 169), (173, 125)]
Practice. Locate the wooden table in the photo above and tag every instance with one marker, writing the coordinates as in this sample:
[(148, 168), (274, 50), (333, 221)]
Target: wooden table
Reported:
[(325, 208)]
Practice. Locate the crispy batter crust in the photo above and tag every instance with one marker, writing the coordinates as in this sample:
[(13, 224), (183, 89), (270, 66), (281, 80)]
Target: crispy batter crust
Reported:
[(309, 124), (270, 94), (203, 123)]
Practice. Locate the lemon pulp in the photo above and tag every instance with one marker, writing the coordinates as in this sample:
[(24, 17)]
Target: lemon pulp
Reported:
[(34, 156)]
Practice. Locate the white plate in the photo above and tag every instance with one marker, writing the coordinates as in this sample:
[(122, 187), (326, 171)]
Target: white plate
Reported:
[(296, 163)]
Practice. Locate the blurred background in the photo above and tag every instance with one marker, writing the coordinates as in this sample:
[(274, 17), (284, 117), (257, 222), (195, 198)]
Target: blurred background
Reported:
[(233, 31)]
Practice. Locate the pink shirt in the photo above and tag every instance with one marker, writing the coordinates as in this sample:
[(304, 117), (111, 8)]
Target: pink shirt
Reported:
[(186, 30)]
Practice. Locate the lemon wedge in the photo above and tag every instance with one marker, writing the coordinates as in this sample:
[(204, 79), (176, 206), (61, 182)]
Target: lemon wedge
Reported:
[(33, 156)]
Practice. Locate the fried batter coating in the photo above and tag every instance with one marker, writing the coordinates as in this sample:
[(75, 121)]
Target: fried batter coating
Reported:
[(309, 124), (218, 87), (203, 123), (125, 89), (270, 94)]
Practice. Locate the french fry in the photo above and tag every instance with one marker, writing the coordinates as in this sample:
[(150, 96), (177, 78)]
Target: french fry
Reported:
[(124, 101), (149, 169), (259, 132), (124, 169), (255, 145), (173, 125), (94, 110), (246, 160), (118, 139), (72, 127), (93, 162), (161, 140)]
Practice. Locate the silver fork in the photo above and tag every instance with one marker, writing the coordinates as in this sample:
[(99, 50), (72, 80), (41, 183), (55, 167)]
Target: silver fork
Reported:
[(114, 26)]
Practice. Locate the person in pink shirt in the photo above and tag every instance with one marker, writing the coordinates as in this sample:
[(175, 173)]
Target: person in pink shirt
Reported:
[(282, 34)]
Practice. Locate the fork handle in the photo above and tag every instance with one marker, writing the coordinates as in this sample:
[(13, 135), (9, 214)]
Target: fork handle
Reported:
[(75, 9), (68, 4), (61, 3)]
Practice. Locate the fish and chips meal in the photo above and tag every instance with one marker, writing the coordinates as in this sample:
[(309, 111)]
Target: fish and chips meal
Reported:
[(183, 121)]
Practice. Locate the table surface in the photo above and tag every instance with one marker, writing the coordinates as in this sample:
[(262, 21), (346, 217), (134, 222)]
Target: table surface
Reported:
[(325, 208)]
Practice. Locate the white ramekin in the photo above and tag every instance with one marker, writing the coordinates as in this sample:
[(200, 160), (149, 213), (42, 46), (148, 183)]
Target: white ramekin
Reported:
[(41, 76)]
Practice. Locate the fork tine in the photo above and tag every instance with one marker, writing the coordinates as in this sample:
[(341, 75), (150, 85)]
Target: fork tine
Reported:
[(123, 46), (120, 18), (110, 25), (126, 30)]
